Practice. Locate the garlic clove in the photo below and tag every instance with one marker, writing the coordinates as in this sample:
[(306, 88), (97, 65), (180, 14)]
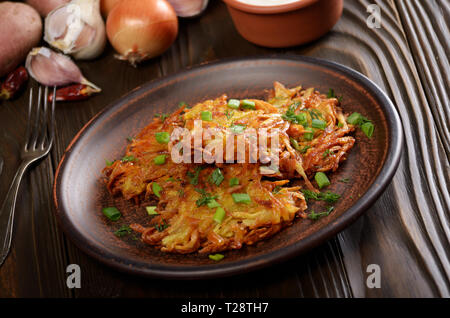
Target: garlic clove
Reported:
[(77, 28), (188, 8), (54, 69)]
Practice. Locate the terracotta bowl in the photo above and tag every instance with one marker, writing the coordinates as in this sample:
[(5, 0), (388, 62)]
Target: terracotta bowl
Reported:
[(285, 25)]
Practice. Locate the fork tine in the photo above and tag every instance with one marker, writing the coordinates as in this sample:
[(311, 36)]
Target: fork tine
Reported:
[(32, 142), (28, 131), (40, 142), (52, 119)]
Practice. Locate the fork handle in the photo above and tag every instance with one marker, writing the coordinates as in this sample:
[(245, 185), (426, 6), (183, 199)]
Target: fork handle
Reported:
[(7, 212)]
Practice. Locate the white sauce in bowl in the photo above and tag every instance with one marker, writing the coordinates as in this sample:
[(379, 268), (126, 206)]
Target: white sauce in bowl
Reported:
[(267, 3)]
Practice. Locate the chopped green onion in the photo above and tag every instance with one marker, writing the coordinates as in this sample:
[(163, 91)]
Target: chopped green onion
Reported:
[(318, 123), (322, 180), (308, 135), (162, 137), (248, 104), (229, 114), (234, 182), (234, 103), (241, 198), (130, 139), (109, 163), (206, 116), (216, 257), (216, 177), (344, 180), (354, 119), (156, 188), (160, 160), (128, 159), (368, 128), (304, 149), (295, 144), (340, 125), (151, 210), (237, 129), (219, 215), (213, 204), (112, 213), (180, 104), (124, 230)]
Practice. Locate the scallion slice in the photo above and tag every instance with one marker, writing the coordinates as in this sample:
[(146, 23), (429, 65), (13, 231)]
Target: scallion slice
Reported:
[(322, 180), (156, 188), (219, 215), (368, 128), (162, 137), (318, 123), (308, 135), (206, 116), (237, 129), (234, 103), (216, 257), (160, 160), (354, 119), (248, 104), (213, 204), (112, 213), (151, 210), (241, 198), (234, 182)]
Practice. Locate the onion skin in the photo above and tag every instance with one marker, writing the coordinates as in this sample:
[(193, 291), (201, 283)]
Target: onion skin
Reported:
[(45, 6), (141, 29), (21, 30), (107, 5)]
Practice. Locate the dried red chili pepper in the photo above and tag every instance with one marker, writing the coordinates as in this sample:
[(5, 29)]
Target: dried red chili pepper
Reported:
[(13, 83), (72, 93)]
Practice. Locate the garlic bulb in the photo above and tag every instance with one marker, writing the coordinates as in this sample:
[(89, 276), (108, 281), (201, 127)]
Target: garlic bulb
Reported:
[(188, 8), (54, 69), (76, 28)]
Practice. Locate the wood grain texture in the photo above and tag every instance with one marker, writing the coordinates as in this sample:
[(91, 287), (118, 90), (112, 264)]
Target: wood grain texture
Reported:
[(405, 231)]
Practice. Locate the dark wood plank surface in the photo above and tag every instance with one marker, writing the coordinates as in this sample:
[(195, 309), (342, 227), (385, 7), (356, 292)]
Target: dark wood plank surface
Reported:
[(406, 232)]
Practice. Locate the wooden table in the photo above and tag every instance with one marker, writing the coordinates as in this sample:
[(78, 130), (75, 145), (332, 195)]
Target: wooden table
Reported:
[(406, 232)]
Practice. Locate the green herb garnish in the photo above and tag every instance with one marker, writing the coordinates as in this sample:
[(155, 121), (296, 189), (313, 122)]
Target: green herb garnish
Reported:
[(193, 176), (123, 230), (237, 129), (205, 197), (328, 196), (315, 216), (162, 226), (128, 159)]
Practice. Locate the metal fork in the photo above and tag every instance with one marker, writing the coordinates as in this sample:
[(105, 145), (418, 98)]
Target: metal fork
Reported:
[(39, 140)]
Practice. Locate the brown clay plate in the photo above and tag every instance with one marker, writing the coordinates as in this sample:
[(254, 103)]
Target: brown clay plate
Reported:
[(79, 193)]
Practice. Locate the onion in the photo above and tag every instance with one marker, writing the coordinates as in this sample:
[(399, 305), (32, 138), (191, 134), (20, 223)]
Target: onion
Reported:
[(21, 29), (188, 8), (141, 29), (45, 6), (107, 5)]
